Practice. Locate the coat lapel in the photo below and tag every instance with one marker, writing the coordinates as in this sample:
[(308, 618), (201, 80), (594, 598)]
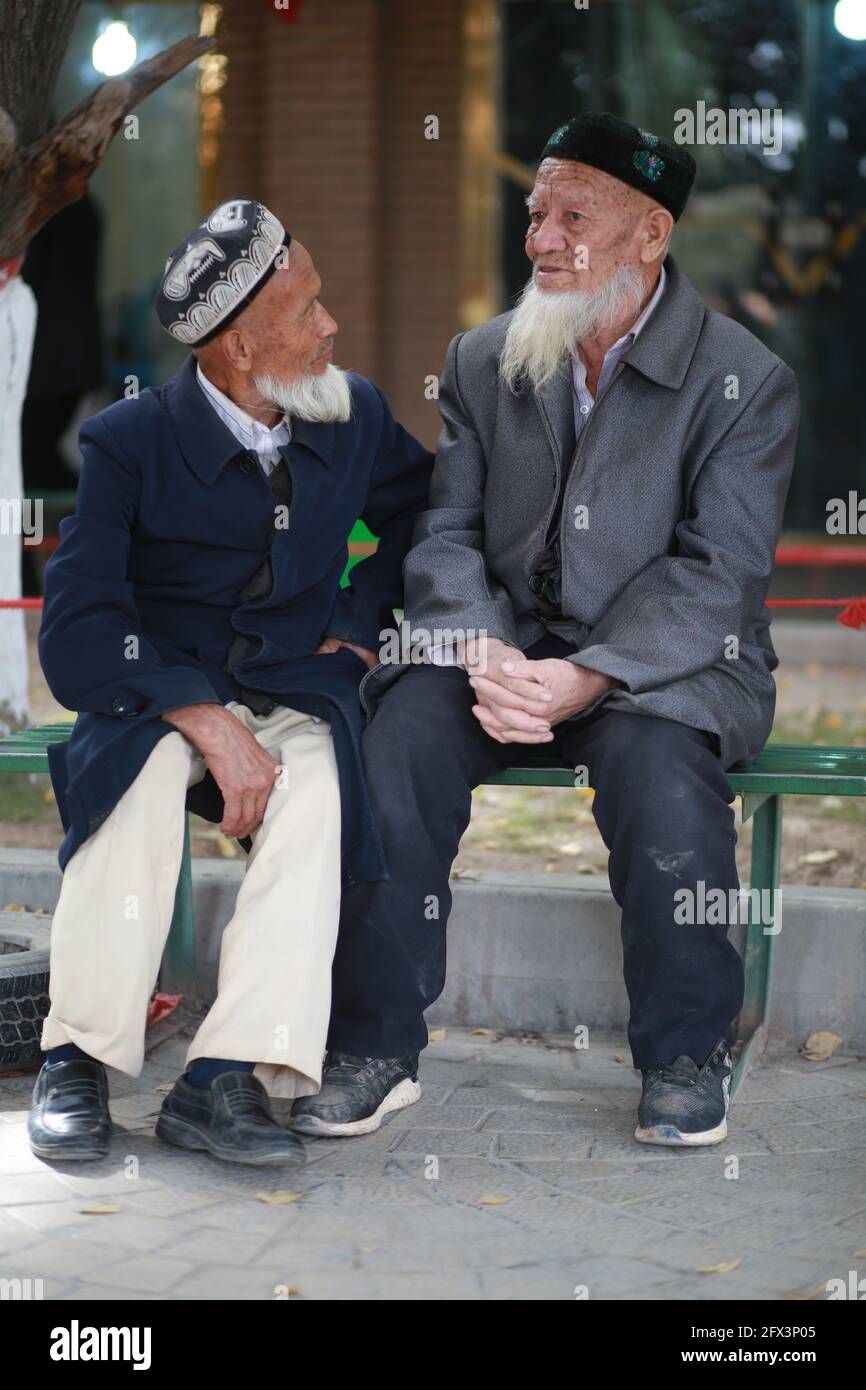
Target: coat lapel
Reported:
[(663, 350), (555, 402)]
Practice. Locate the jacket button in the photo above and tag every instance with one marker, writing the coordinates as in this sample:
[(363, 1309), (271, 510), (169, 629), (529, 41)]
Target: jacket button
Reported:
[(120, 706), (536, 584), (248, 464)]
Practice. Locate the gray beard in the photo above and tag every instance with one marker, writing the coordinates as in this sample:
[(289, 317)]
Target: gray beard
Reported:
[(316, 397), (548, 325)]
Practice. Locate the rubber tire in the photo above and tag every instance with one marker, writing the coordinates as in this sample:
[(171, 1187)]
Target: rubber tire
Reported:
[(24, 1005)]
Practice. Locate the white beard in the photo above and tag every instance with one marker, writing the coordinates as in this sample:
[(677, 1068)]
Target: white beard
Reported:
[(548, 325), (316, 397)]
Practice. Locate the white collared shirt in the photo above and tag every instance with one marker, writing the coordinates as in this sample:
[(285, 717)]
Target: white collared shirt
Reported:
[(248, 432), (252, 434), (583, 398)]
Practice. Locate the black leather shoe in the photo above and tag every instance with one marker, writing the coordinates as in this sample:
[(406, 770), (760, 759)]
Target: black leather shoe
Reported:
[(231, 1119), (69, 1116), (356, 1095)]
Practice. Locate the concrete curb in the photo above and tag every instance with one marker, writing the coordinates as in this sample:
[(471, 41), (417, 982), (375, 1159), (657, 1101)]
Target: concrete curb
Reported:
[(541, 953)]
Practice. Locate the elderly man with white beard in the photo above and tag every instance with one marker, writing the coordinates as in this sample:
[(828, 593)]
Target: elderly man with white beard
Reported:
[(604, 510), (195, 620)]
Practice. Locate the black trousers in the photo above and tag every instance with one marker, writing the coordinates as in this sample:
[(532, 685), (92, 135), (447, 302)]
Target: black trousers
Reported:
[(663, 807)]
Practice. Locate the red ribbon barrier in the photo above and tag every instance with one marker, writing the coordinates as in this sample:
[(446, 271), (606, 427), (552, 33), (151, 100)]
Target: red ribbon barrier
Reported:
[(853, 609)]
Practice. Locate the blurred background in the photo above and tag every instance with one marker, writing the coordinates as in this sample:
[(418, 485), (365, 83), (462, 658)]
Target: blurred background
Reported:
[(397, 140), (323, 111)]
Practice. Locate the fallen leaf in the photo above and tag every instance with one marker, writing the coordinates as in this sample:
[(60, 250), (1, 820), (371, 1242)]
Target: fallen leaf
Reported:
[(278, 1199), (482, 1032), (571, 848), (12, 907), (437, 1034), (819, 856), (167, 1087), (99, 1211), (367, 1249), (819, 1046), (719, 1269), (805, 1297), (618, 1057), (492, 1201), (226, 847), (858, 1254)]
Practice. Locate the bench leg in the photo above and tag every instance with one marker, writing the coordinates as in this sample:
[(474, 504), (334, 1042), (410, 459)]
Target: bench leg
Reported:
[(178, 963), (758, 956)]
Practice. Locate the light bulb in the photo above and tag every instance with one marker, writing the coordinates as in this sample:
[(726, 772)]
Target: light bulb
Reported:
[(849, 17), (115, 49)]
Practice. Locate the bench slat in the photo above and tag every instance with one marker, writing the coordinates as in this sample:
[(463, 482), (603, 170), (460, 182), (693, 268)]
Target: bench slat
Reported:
[(780, 768)]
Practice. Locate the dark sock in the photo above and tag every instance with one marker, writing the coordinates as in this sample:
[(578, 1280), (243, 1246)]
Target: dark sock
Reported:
[(68, 1052), (205, 1070)]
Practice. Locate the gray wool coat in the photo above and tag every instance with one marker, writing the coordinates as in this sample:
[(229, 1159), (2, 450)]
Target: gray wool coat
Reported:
[(682, 467)]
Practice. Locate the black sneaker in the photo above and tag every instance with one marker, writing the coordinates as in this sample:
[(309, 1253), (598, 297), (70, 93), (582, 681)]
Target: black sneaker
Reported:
[(356, 1094), (683, 1103)]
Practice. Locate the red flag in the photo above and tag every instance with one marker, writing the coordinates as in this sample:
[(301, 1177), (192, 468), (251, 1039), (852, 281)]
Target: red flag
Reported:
[(854, 615)]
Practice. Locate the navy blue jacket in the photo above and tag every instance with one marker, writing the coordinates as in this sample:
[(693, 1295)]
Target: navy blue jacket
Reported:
[(142, 594)]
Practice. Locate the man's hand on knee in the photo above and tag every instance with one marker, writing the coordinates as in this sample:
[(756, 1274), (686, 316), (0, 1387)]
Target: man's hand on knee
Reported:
[(241, 768)]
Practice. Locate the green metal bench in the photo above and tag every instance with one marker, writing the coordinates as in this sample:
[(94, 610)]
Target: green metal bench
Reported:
[(781, 770)]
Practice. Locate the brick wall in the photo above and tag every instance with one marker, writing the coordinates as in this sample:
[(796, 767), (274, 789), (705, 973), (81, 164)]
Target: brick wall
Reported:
[(324, 122)]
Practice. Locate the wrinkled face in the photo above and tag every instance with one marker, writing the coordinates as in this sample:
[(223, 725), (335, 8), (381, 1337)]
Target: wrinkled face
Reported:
[(578, 214), (288, 333)]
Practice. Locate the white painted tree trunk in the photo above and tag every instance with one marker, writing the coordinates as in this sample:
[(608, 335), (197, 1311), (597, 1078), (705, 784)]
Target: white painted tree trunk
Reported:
[(17, 326)]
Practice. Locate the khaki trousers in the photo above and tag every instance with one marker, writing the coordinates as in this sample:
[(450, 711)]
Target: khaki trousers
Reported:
[(117, 898)]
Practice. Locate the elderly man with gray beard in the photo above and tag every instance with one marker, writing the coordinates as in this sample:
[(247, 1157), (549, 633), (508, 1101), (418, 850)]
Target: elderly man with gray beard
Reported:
[(605, 506), (195, 620)]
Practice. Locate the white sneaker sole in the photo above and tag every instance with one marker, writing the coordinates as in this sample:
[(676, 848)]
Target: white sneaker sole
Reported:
[(673, 1137), (405, 1093)]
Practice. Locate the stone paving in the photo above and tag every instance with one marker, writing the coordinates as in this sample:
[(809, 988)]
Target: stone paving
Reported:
[(515, 1177)]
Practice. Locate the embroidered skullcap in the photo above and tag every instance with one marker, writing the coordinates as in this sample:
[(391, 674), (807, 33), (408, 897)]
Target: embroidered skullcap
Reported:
[(663, 171), (218, 269)]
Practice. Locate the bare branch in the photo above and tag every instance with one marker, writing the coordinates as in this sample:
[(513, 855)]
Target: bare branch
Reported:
[(51, 172)]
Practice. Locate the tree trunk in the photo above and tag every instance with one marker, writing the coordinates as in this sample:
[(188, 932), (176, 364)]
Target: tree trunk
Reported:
[(33, 39)]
